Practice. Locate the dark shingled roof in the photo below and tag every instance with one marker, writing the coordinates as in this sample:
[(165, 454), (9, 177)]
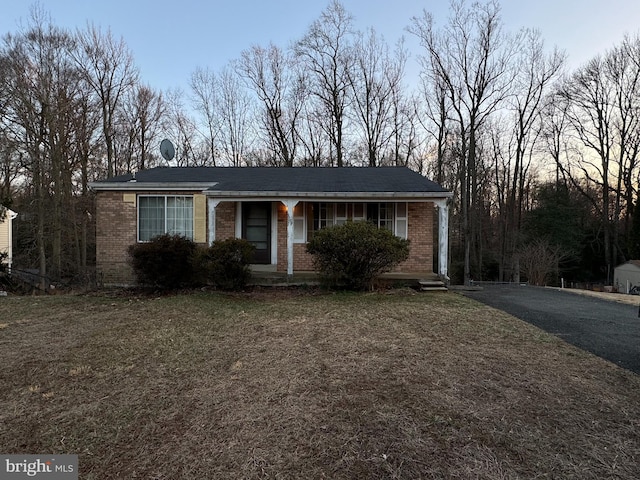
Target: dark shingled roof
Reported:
[(291, 179)]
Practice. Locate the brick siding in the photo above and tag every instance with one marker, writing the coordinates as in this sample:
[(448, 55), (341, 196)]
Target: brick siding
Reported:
[(225, 220), (116, 229), (420, 234)]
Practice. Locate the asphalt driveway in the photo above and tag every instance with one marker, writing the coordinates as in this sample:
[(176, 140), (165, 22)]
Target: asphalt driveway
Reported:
[(608, 329)]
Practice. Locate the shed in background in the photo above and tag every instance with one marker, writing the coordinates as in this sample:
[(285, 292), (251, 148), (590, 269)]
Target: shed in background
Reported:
[(627, 276)]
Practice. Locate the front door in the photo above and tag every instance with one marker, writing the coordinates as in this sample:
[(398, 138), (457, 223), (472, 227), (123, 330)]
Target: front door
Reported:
[(256, 229)]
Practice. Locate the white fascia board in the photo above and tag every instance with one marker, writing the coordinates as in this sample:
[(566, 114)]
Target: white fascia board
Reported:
[(333, 196), (147, 186), (205, 188)]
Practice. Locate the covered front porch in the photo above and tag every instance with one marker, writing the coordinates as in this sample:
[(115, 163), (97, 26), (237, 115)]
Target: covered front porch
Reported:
[(279, 228)]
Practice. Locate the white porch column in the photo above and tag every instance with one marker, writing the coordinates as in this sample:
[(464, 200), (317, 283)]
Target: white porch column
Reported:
[(443, 238), (290, 205), (211, 218)]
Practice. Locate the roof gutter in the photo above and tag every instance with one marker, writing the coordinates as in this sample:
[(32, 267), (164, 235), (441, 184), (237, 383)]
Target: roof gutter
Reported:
[(146, 186), (205, 188), (277, 196)]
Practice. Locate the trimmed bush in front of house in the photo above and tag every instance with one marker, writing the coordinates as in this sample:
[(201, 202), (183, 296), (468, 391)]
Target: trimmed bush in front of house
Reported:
[(225, 264), (166, 262), (352, 255), (172, 261)]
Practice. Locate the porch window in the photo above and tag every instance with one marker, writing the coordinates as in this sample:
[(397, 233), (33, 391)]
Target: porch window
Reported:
[(160, 214), (342, 213), (299, 223), (323, 215), (402, 220), (389, 215), (381, 214)]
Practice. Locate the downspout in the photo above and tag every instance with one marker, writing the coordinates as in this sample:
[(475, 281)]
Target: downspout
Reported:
[(10, 215)]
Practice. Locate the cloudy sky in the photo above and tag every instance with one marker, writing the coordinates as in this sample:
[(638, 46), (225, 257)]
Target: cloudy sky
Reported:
[(170, 38)]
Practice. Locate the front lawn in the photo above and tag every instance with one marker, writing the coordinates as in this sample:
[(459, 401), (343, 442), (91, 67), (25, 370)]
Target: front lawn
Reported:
[(307, 385)]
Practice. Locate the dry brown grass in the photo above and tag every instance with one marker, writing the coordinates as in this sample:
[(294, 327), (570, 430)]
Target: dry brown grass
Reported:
[(341, 386)]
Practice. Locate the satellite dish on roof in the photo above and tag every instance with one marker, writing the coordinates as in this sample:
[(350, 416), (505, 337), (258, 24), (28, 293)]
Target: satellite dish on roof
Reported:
[(167, 149)]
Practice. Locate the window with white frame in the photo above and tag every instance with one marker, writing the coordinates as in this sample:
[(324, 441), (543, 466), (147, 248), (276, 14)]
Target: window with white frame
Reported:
[(299, 229), (160, 214), (342, 213), (389, 215), (323, 215), (401, 220), (382, 215)]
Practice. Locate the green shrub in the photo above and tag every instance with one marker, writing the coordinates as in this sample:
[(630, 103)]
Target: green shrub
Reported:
[(352, 255), (166, 261), (225, 264)]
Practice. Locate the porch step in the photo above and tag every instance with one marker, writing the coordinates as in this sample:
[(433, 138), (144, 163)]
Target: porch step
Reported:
[(432, 286)]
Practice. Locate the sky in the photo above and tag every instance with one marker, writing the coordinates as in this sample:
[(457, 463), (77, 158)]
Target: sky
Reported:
[(169, 39)]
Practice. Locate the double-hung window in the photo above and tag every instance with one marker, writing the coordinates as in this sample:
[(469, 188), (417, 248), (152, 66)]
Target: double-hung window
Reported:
[(160, 214), (381, 214)]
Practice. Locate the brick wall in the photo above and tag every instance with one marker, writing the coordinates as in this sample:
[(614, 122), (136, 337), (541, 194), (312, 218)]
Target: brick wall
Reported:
[(115, 230), (225, 220), (302, 261), (420, 233)]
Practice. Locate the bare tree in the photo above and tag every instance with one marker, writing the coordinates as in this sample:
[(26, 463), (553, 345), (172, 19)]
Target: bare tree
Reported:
[(109, 69), (280, 86), (554, 132), (405, 139), (314, 142), (436, 114), (540, 261), (45, 95), (603, 110), (326, 53), (206, 101), (472, 58), (591, 115), (236, 109), (375, 80), (182, 129), (143, 111), (86, 145), (623, 68), (9, 165), (536, 71)]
